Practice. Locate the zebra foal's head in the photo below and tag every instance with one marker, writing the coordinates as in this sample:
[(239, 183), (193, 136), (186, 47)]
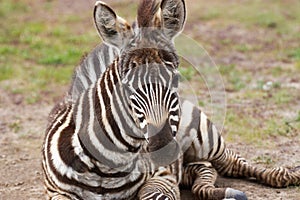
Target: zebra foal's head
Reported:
[(148, 67)]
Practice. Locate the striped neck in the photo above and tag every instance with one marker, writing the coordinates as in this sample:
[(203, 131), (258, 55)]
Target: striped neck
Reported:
[(120, 106), (105, 127)]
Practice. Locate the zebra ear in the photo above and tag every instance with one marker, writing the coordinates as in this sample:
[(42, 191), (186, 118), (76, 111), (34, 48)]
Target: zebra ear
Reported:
[(173, 15), (113, 29)]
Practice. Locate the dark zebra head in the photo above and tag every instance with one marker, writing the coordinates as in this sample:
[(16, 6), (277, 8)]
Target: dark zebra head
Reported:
[(148, 65)]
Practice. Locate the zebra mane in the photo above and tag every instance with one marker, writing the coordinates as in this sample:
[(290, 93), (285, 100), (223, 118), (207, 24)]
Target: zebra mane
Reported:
[(147, 10), (90, 69)]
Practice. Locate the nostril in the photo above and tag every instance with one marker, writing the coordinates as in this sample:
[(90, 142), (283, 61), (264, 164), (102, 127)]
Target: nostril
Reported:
[(174, 133)]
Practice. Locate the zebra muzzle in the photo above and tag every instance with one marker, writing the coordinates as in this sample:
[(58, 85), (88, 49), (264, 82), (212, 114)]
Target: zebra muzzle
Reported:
[(162, 146)]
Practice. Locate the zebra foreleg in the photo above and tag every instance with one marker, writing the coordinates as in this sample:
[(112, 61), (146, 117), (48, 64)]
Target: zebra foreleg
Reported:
[(231, 164), (201, 177), (160, 187)]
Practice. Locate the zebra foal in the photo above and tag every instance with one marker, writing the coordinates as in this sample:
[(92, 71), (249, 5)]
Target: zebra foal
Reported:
[(122, 132)]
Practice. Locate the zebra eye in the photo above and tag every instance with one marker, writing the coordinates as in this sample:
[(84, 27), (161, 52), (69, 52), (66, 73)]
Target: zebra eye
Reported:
[(139, 118), (133, 64), (166, 56)]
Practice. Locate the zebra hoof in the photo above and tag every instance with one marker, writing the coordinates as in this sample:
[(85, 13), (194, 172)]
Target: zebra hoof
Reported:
[(235, 194)]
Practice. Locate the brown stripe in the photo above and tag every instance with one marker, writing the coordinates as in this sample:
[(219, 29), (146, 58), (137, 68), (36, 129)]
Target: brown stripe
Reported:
[(98, 189), (71, 181), (64, 110), (127, 129), (98, 108), (110, 118), (109, 163), (66, 150)]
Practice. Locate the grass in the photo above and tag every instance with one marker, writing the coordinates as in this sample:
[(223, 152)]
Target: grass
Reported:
[(295, 54), (282, 96), (236, 78), (244, 126), (15, 126), (264, 159), (298, 117), (187, 73), (38, 53), (240, 127), (7, 7), (6, 72), (282, 16)]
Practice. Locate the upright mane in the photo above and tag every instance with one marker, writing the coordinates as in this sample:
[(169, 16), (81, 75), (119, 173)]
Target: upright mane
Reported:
[(91, 68), (146, 11)]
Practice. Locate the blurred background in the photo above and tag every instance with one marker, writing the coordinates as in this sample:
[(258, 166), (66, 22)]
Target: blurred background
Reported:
[(254, 43)]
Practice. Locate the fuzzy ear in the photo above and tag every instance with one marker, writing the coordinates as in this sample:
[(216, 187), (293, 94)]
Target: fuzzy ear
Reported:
[(113, 29), (173, 15)]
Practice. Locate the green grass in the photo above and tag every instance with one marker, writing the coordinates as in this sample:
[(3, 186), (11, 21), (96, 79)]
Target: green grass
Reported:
[(245, 127), (7, 7), (6, 72), (243, 47), (254, 94), (281, 16), (277, 71), (15, 126), (187, 73), (282, 96), (236, 78), (37, 55), (295, 54), (125, 9), (264, 159), (242, 127), (298, 117)]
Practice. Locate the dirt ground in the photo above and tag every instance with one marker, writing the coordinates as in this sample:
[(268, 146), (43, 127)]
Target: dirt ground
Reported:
[(22, 128)]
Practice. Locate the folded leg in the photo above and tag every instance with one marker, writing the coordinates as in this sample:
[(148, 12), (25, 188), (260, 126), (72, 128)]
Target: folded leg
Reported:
[(232, 165), (201, 177)]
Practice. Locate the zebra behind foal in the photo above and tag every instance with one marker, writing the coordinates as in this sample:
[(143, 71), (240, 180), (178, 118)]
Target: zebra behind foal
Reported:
[(112, 137)]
